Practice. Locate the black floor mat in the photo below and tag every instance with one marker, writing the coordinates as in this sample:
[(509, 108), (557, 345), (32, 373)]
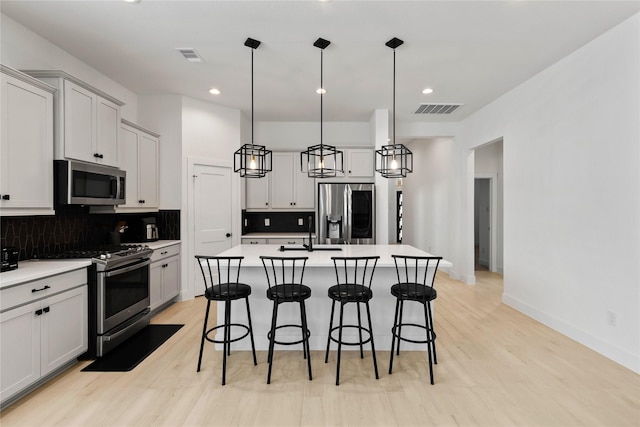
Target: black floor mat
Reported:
[(130, 353)]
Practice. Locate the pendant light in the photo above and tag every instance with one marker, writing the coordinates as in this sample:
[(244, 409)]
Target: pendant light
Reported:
[(322, 160), (251, 160), (394, 160)]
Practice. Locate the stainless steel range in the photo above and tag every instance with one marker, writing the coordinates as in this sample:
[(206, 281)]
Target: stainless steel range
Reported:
[(118, 294)]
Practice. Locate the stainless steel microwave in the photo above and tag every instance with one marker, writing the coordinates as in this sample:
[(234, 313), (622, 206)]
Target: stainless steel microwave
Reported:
[(78, 183)]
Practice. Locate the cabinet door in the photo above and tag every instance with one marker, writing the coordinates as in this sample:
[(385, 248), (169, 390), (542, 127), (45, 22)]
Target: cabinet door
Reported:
[(26, 145), (79, 123), (129, 162), (282, 181), (107, 131), (20, 349), (170, 278), (148, 171), (360, 163), (63, 328), (305, 196), (257, 190), (155, 284)]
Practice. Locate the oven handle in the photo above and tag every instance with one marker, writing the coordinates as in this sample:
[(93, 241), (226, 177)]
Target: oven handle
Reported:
[(127, 269)]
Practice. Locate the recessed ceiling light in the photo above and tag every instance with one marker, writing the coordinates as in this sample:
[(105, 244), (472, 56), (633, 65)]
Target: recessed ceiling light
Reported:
[(427, 91), (214, 91), (321, 91)]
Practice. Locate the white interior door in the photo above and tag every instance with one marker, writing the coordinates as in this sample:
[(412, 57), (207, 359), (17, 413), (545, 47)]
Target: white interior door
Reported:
[(212, 207)]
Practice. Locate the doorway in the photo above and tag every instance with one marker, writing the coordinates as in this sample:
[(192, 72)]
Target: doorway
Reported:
[(482, 224)]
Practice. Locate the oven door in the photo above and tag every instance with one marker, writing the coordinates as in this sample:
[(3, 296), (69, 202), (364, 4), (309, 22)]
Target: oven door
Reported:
[(122, 293)]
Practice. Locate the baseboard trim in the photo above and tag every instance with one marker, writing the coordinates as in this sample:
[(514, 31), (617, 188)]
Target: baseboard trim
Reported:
[(610, 351)]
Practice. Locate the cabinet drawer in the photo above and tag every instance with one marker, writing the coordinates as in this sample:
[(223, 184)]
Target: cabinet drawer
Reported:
[(248, 241), (288, 241), (38, 289), (165, 252)]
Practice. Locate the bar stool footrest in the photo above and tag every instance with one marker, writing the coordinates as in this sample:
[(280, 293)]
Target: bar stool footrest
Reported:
[(336, 340), (231, 340), (395, 333), (300, 341)]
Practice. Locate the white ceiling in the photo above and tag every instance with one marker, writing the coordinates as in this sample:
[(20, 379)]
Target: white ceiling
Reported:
[(469, 52)]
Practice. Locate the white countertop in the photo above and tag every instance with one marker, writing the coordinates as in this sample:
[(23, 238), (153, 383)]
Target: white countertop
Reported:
[(252, 254), (28, 271), (159, 244)]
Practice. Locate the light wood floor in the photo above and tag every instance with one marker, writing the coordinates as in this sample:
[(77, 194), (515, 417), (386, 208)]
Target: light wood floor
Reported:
[(497, 368)]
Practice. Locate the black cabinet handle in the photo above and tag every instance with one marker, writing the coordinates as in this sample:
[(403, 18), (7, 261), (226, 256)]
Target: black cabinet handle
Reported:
[(6, 197), (46, 309), (102, 156), (96, 155), (41, 289), (164, 252), (39, 312), (140, 201)]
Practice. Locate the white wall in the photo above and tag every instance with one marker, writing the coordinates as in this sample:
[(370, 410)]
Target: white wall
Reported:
[(23, 49), (572, 192), (427, 193)]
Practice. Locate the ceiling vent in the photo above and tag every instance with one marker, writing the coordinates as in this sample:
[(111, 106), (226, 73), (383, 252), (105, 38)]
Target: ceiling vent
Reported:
[(190, 54), (437, 108)]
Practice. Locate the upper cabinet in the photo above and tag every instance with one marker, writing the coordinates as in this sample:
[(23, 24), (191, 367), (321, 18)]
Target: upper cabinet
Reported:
[(257, 192), (359, 162), (138, 148), (87, 120), (26, 145), (290, 188)]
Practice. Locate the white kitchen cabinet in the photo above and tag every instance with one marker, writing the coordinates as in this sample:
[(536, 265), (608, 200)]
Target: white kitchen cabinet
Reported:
[(254, 241), (43, 327), (26, 145), (165, 276), (139, 158), (257, 192), (287, 241), (290, 188), (87, 119), (360, 163)]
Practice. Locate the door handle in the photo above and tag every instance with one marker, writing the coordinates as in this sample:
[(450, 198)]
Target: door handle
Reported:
[(228, 234)]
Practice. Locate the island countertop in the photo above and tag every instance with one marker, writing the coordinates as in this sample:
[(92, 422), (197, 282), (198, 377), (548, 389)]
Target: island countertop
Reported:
[(322, 258)]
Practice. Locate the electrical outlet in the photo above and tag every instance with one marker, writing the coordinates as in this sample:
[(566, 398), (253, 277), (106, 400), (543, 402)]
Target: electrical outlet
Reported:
[(612, 318), (267, 222), (245, 222), (300, 221)]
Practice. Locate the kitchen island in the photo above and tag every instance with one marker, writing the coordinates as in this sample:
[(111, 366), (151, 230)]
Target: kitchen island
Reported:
[(319, 276)]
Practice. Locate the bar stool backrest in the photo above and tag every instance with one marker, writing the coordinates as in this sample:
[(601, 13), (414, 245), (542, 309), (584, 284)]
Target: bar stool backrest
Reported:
[(354, 272), (416, 270), (287, 273), (220, 271)]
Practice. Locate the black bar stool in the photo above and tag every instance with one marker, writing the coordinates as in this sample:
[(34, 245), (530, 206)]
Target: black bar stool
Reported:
[(284, 277), (354, 276), (226, 288), (415, 284)]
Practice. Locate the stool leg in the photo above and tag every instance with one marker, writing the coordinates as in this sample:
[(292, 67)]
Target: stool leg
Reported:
[(326, 355), (393, 335), (426, 315), (304, 331), (227, 335), (400, 326), (272, 339), (360, 332), (253, 345), (204, 334), (373, 347), (432, 333), (305, 337), (339, 343)]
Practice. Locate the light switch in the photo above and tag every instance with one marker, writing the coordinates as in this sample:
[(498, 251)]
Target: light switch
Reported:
[(300, 221)]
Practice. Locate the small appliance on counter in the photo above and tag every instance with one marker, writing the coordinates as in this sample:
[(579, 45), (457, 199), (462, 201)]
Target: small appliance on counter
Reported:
[(9, 259), (140, 230)]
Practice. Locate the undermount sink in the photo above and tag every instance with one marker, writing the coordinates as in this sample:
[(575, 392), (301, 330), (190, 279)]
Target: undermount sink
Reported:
[(306, 249)]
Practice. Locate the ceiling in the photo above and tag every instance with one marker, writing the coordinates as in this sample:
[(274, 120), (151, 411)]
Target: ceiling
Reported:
[(469, 52)]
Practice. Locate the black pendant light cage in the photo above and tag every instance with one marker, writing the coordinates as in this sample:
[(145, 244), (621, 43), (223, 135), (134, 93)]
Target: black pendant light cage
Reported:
[(322, 160), (394, 160), (251, 160)]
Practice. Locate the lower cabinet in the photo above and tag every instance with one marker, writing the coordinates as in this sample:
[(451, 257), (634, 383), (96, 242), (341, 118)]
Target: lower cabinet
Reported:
[(41, 336), (273, 241), (165, 275)]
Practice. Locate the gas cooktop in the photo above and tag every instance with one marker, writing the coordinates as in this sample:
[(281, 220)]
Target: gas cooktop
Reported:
[(105, 255)]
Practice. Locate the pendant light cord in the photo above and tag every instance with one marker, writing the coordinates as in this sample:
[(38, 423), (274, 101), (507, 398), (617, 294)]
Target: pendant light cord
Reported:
[(321, 95), (394, 98), (252, 140)]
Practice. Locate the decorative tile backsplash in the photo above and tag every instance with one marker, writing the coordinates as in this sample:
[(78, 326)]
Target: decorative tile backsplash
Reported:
[(279, 222), (73, 228)]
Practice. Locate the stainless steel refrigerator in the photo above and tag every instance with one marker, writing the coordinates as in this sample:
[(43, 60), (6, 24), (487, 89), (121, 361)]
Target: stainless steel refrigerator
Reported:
[(346, 213)]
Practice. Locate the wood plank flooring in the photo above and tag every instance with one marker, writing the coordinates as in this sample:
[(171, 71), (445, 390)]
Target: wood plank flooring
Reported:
[(496, 367)]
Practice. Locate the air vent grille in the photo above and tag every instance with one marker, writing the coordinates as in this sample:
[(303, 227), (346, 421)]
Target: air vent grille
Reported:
[(437, 108), (190, 54)]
